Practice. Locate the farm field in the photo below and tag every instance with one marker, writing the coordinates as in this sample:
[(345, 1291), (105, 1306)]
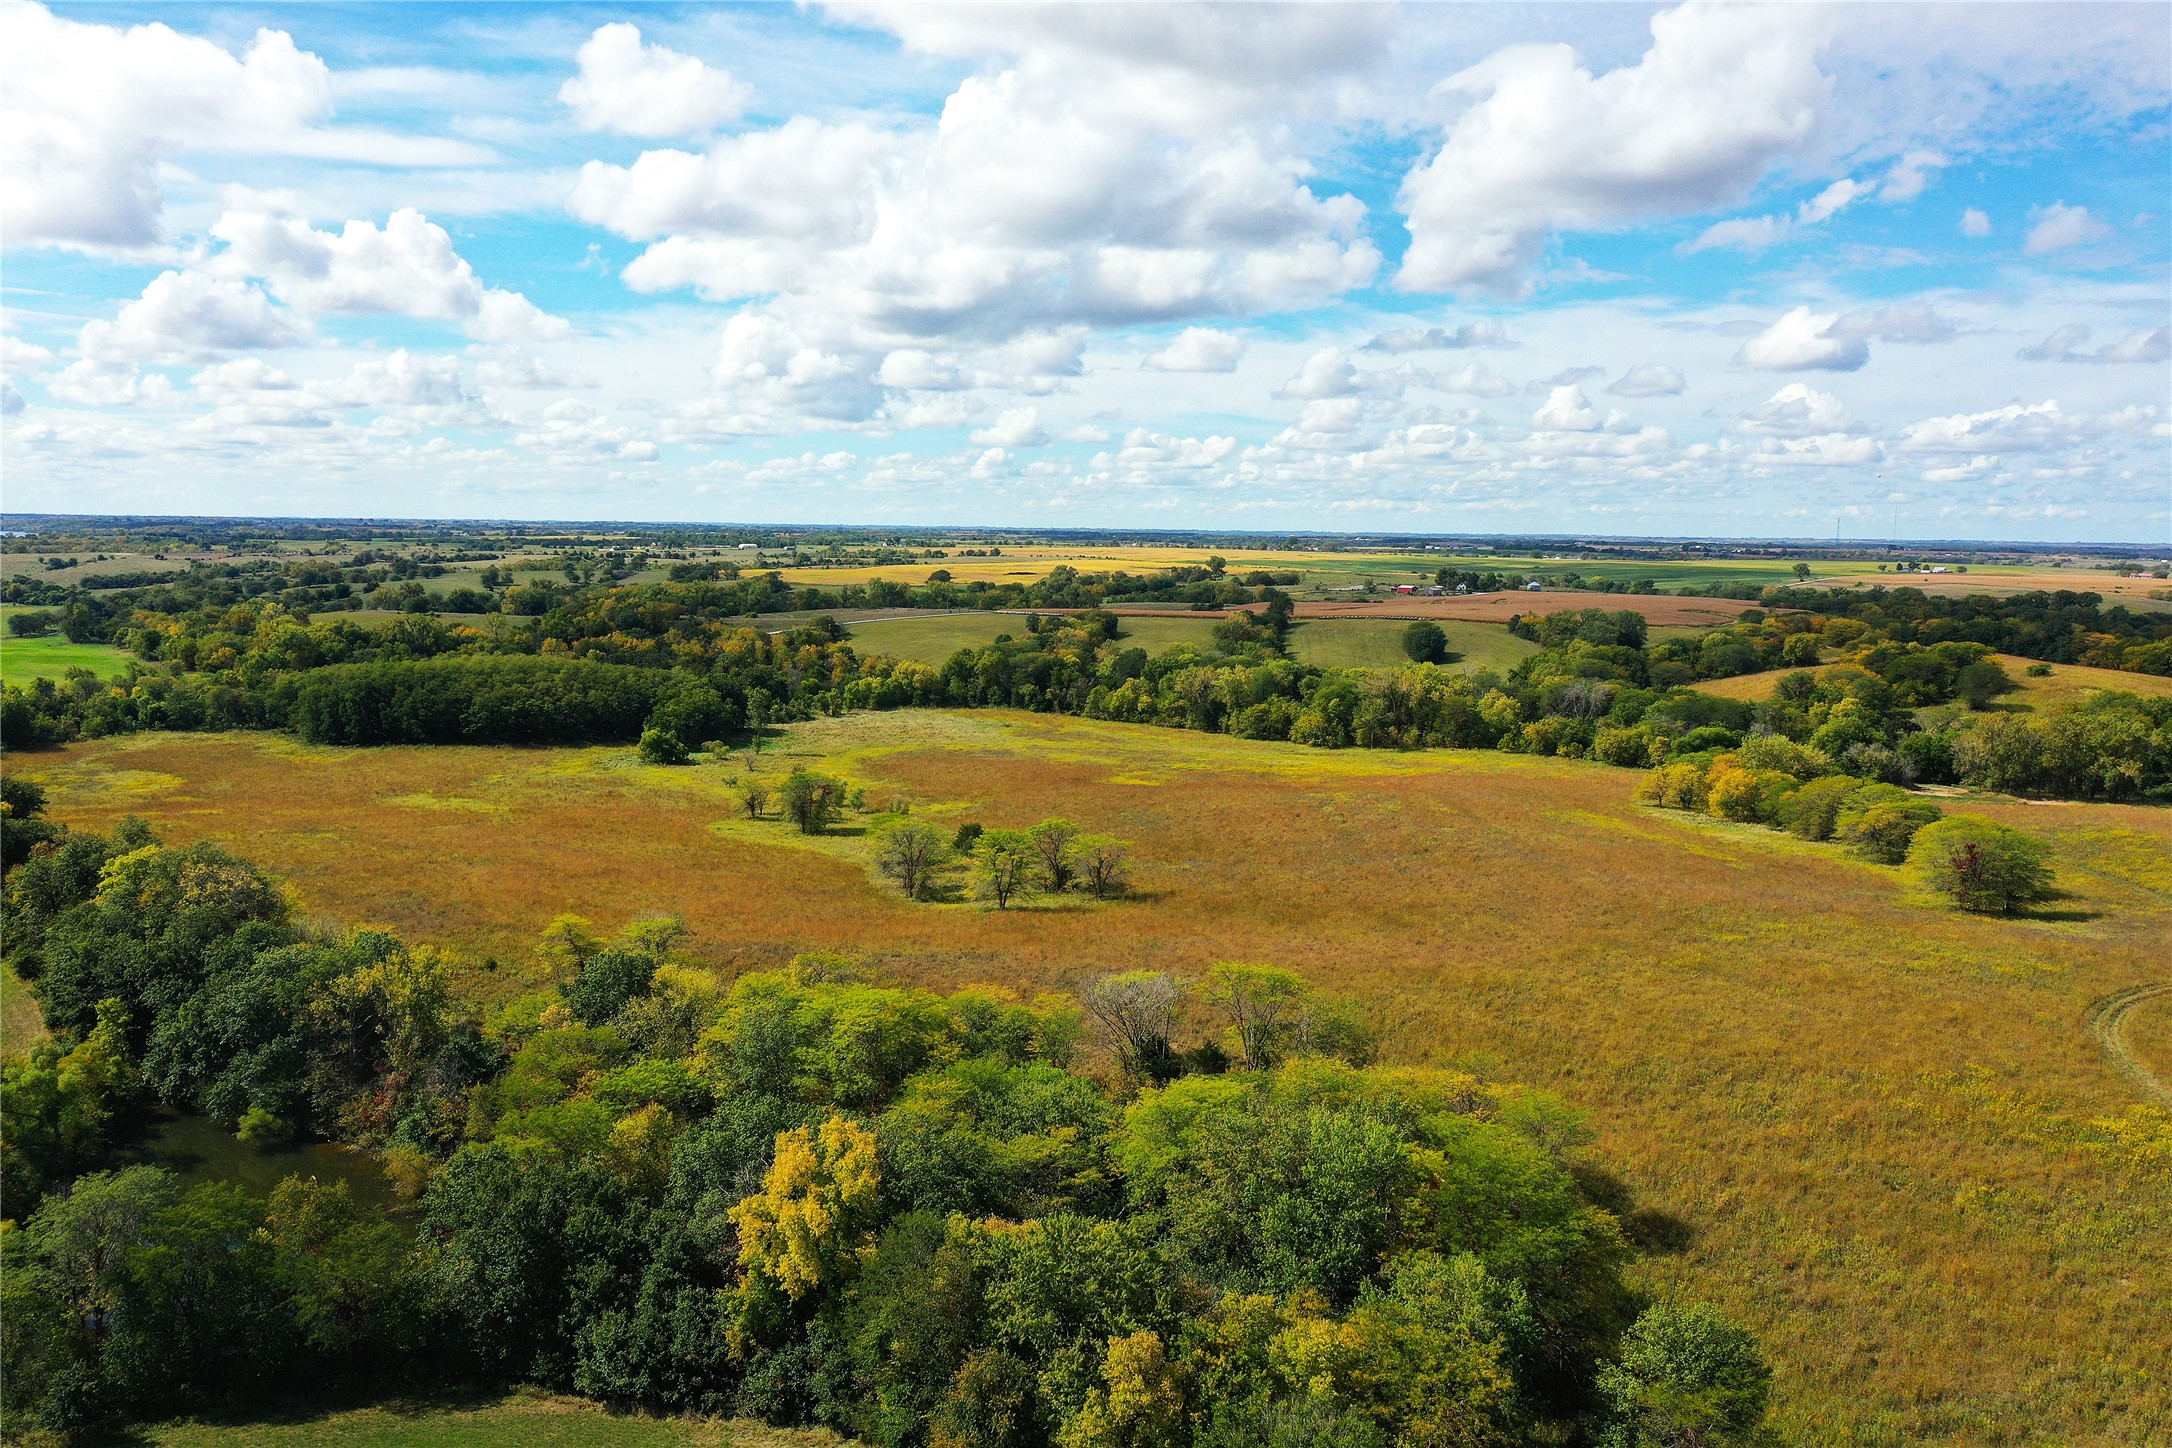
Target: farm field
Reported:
[(2017, 578), (521, 1421), (1321, 569), (2064, 684), (1874, 1130)]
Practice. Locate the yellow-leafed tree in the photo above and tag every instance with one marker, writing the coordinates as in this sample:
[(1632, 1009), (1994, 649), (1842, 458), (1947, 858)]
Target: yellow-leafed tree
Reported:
[(812, 1204)]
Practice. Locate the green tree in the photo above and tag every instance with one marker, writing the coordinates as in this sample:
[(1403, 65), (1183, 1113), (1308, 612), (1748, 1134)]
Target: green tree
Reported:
[(1053, 843), (1137, 1011), (1103, 864), (1261, 1003), (1425, 642), (812, 801), (1982, 865), (1003, 865), (753, 797), (914, 853), (1686, 1378)]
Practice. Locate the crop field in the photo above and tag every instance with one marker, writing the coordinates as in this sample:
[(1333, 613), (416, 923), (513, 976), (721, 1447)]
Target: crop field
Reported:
[(2019, 578), (1876, 1130), (1322, 570), (521, 1421), (2064, 684), (1337, 643)]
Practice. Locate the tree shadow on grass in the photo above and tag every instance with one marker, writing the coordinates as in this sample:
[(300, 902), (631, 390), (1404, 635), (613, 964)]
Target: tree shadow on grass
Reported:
[(1651, 1231)]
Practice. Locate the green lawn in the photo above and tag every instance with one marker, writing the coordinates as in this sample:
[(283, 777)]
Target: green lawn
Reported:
[(1357, 643), (522, 1421), (22, 660)]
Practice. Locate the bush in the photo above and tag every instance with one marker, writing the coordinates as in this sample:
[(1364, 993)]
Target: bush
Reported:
[(1982, 865), (661, 746), (1811, 813), (1878, 821)]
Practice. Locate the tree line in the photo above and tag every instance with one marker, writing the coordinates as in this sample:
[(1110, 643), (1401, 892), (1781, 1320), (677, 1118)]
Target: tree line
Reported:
[(1163, 1214)]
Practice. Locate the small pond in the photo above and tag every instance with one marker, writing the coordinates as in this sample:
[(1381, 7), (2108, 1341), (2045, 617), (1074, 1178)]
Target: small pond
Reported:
[(198, 1149)]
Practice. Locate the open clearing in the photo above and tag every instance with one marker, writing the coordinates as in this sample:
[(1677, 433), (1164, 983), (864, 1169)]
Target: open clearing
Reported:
[(522, 1421), (2063, 685), (1500, 607), (1875, 1130), (50, 657)]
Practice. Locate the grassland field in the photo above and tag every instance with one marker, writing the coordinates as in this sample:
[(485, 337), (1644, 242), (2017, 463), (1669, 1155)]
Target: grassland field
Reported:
[(1873, 1129), (2065, 684), (526, 1420), (51, 656)]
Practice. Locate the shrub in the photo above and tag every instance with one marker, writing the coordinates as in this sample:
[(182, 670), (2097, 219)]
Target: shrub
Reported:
[(1878, 821), (1675, 786), (1748, 795), (1982, 865), (661, 746), (1810, 813), (1631, 748), (1709, 736)]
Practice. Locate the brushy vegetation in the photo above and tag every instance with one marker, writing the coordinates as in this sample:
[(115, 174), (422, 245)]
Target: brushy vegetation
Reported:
[(1836, 1105), (808, 1197)]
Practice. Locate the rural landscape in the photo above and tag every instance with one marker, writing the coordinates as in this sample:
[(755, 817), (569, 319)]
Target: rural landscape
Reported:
[(1753, 959), (1085, 724)]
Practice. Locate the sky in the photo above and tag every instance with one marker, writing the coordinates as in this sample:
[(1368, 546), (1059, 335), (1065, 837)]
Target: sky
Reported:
[(1861, 270)]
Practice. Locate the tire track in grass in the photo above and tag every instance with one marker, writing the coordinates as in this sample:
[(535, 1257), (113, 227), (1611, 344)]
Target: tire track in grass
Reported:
[(2106, 1019)]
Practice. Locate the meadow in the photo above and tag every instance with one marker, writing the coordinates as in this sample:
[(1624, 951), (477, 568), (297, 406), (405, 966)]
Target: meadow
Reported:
[(50, 657), (2065, 684), (1876, 1131), (525, 1420)]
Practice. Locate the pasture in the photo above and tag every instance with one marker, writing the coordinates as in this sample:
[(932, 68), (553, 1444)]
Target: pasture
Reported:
[(50, 657), (1875, 1130), (1351, 643), (2065, 684)]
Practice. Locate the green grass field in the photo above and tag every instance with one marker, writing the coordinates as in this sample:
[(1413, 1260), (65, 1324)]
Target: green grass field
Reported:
[(521, 1421), (22, 660), (1359, 643), (22, 1025)]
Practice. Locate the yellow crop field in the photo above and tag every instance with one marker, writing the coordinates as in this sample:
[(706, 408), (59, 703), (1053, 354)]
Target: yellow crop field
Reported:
[(1877, 1131), (2064, 684)]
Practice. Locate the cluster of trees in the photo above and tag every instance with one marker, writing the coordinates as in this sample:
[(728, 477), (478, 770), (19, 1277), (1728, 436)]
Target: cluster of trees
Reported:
[(1979, 864), (918, 1218), (1051, 857), (654, 664), (2063, 627)]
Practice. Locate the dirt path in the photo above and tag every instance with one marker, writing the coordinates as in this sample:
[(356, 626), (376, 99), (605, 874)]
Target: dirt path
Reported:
[(2107, 1020)]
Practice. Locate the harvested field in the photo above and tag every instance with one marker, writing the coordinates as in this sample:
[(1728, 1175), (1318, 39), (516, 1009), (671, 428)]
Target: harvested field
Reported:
[(1499, 607), (1874, 1129)]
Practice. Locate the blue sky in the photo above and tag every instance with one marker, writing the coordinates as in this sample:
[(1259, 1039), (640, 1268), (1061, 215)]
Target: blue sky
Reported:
[(1693, 269)]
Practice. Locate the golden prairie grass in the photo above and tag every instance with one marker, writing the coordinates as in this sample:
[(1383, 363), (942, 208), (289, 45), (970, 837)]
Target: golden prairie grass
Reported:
[(2065, 684), (1864, 1124), (522, 1420)]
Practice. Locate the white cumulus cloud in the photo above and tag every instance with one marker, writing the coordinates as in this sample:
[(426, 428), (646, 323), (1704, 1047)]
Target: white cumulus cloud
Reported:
[(637, 89), (1018, 427), (1805, 341), (2059, 226), (1723, 92)]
